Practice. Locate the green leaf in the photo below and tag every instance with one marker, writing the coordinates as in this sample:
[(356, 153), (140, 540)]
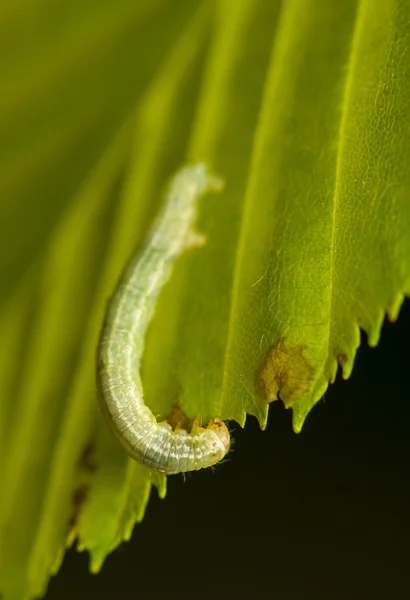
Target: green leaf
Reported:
[(328, 195), (302, 107), (319, 226)]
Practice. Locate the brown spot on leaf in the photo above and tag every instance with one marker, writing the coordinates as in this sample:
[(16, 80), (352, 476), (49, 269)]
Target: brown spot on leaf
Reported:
[(342, 359), (87, 459), (178, 419), (284, 370), (79, 497)]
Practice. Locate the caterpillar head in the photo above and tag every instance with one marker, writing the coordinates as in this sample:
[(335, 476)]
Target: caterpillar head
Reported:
[(221, 430)]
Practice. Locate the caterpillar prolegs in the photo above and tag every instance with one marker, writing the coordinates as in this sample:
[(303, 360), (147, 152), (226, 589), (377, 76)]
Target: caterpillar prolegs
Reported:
[(154, 444)]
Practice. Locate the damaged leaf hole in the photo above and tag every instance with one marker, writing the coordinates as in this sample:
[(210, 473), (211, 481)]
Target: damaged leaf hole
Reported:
[(284, 374)]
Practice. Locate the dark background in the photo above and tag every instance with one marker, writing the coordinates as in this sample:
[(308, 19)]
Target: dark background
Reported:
[(322, 514)]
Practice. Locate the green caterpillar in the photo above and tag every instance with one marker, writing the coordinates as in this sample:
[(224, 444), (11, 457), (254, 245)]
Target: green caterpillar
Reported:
[(121, 345)]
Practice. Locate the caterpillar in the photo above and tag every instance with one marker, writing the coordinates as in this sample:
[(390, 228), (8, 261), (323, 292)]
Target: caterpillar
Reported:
[(154, 444)]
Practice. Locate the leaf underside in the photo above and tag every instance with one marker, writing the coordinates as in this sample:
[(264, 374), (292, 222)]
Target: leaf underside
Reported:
[(302, 107)]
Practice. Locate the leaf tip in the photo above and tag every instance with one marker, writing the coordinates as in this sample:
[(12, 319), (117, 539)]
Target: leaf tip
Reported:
[(346, 363), (160, 483), (96, 562), (298, 418), (394, 308)]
